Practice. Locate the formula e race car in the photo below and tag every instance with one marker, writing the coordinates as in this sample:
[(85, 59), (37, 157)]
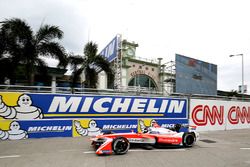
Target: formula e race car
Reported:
[(119, 143)]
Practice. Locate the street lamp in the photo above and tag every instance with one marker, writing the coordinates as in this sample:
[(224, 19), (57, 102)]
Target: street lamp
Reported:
[(242, 84)]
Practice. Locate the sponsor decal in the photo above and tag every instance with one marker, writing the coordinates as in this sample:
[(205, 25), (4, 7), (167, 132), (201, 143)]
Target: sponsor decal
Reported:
[(172, 125), (47, 128), (37, 129), (212, 114), (144, 124), (170, 140), (81, 129), (14, 131), (116, 127), (22, 109), (46, 106), (102, 106), (136, 140), (106, 151), (238, 114)]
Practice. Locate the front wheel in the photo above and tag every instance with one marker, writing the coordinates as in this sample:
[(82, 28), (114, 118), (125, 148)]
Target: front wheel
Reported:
[(120, 145)]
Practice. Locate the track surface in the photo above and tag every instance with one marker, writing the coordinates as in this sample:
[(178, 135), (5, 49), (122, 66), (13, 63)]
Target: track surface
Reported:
[(220, 148)]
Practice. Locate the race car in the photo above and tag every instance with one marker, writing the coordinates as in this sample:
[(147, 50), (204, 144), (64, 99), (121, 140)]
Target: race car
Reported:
[(119, 143)]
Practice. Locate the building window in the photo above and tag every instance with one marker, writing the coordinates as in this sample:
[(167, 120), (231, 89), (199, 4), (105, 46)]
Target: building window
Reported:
[(133, 65), (153, 69), (146, 68), (143, 81), (140, 67)]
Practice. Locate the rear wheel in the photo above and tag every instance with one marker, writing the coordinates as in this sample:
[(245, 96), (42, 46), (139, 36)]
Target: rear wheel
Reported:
[(188, 139), (120, 145)]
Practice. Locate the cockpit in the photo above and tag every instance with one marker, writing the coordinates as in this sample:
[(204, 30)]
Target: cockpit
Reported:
[(161, 131)]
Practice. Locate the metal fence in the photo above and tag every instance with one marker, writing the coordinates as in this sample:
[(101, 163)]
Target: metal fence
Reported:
[(128, 91)]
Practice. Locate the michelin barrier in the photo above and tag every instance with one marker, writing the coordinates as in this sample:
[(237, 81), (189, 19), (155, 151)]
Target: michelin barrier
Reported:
[(24, 129), (32, 115), (49, 106)]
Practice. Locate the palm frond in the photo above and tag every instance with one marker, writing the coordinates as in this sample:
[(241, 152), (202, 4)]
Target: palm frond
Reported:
[(17, 29), (54, 50), (90, 51), (47, 33), (103, 63), (76, 59)]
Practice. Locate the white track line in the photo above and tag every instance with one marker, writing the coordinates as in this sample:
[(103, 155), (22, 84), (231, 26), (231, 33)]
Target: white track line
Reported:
[(158, 150), (245, 148), (89, 152), (72, 150), (10, 156)]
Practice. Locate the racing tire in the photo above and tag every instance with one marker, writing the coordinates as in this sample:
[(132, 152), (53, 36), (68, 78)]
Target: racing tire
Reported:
[(188, 140), (120, 145)]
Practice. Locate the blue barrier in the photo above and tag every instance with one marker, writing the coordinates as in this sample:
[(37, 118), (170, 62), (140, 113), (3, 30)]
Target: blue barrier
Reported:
[(56, 115)]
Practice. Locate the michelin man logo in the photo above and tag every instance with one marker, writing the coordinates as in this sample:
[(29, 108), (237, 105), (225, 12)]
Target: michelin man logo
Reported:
[(91, 130), (23, 110), (144, 128), (15, 133)]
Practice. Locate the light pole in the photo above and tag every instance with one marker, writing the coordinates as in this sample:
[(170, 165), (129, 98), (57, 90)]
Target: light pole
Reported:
[(242, 84)]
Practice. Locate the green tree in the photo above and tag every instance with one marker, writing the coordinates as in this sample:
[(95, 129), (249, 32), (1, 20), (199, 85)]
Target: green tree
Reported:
[(88, 64), (21, 46)]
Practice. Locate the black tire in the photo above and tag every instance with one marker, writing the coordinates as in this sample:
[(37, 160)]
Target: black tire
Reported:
[(120, 145), (188, 140)]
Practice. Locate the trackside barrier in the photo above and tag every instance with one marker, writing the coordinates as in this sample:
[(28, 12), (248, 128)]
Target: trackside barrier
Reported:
[(24, 129), (210, 115), (33, 115), (38, 115)]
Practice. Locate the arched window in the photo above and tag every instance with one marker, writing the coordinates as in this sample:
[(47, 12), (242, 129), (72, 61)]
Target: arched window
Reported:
[(143, 81)]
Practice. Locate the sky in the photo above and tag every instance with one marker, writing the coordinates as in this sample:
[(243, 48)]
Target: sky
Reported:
[(208, 30)]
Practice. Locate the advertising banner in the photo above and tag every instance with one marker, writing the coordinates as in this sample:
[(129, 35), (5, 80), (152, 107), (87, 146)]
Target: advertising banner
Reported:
[(145, 123), (219, 115), (24, 129), (49, 106), (111, 50), (91, 127), (195, 76), (30, 115), (21, 129)]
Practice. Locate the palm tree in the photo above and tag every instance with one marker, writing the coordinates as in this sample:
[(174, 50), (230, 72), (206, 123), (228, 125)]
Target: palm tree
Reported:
[(22, 46), (91, 63)]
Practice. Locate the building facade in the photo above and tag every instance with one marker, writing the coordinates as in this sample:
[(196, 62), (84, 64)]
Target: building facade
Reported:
[(137, 73)]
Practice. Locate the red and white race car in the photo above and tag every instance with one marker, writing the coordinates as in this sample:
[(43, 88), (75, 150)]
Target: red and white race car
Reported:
[(119, 143)]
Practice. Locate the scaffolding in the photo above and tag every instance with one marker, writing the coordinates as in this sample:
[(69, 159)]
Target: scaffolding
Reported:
[(169, 77), (118, 64)]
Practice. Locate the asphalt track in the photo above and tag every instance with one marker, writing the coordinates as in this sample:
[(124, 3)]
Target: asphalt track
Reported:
[(216, 149)]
